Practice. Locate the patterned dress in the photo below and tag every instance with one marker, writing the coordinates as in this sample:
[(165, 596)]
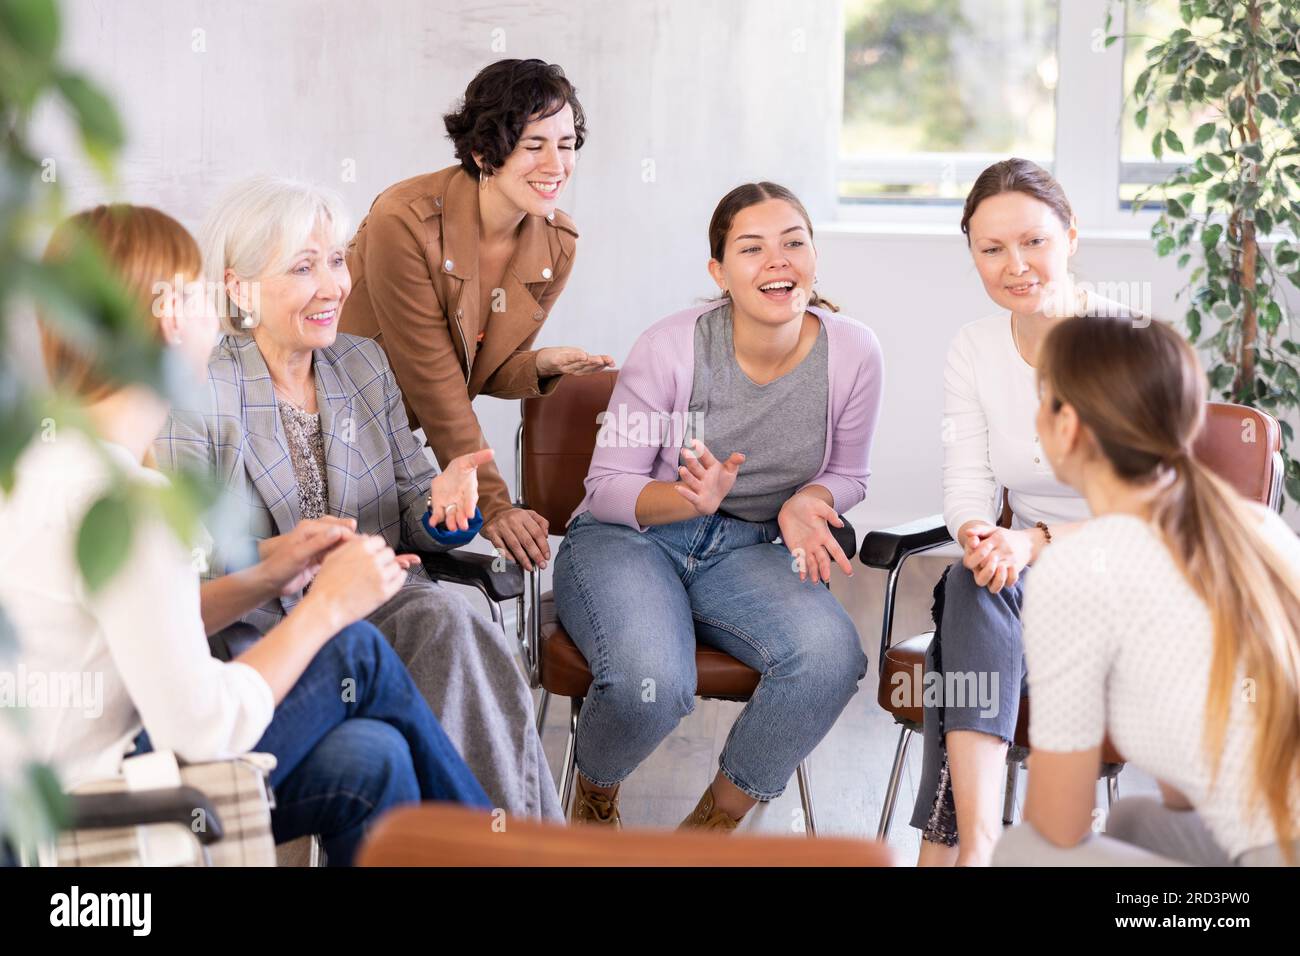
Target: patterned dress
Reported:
[(307, 451)]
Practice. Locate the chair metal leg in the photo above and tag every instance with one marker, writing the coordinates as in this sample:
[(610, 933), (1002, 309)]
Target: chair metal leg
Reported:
[(805, 795), (542, 703), (1112, 790), (1009, 802), (570, 758), (895, 778), (521, 642)]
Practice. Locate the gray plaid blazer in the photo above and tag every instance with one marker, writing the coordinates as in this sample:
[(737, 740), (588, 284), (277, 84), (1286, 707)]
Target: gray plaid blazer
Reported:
[(375, 469)]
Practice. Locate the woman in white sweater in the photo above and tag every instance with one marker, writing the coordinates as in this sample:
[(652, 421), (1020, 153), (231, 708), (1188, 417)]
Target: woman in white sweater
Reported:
[(346, 753), (1170, 621), (1021, 233)]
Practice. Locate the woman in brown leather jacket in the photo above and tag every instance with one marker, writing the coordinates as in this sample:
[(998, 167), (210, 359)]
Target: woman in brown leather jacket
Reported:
[(454, 273)]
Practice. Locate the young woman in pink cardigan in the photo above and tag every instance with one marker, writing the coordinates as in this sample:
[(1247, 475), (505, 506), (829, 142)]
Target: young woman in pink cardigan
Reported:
[(737, 433)]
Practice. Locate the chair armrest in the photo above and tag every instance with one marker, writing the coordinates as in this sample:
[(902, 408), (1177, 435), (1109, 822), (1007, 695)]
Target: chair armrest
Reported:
[(475, 570), (846, 537), (886, 548), (97, 811)]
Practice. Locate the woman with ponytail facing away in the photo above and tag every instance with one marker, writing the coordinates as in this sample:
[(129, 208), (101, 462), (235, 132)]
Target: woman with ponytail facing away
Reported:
[(1170, 621)]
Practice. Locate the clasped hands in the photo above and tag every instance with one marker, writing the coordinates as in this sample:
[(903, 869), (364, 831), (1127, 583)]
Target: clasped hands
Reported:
[(995, 556)]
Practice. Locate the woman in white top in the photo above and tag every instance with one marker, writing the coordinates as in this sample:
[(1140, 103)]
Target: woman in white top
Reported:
[(1021, 233), (1170, 621), (135, 649)]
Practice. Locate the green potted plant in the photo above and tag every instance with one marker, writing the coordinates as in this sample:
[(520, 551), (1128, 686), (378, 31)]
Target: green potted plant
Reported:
[(1231, 210)]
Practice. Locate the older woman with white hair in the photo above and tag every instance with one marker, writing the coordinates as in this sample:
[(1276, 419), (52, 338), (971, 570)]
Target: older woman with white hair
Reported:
[(309, 423)]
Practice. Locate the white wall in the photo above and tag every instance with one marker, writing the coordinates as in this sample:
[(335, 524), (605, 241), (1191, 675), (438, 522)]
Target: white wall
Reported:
[(714, 92)]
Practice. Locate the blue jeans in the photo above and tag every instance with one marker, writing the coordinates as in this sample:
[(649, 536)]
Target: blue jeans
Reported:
[(348, 752), (977, 646), (636, 603)]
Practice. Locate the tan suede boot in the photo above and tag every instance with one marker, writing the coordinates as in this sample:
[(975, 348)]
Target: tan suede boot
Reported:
[(706, 817), (593, 807)]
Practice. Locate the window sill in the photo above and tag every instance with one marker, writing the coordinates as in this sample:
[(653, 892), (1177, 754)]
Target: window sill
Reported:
[(926, 229)]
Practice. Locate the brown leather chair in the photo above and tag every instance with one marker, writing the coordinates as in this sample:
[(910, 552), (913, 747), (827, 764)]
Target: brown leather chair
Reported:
[(438, 834), (553, 451), (1242, 445)]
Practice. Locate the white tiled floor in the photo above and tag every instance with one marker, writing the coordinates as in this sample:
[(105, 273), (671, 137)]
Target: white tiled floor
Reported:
[(850, 769)]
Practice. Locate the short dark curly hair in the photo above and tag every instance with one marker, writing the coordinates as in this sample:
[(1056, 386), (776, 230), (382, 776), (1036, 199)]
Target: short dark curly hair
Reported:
[(500, 101)]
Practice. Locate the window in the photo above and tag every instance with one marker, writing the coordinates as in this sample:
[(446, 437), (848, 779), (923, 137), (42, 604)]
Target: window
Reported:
[(1149, 23), (935, 90)]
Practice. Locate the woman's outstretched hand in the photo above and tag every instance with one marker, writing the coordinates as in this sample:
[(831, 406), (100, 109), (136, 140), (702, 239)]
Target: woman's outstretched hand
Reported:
[(453, 493), (705, 481), (570, 360)]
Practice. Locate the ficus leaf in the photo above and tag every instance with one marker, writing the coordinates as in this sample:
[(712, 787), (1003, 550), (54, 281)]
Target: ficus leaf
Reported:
[(103, 540)]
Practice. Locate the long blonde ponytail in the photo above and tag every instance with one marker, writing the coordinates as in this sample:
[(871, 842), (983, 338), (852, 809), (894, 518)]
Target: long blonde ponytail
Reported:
[(1141, 391)]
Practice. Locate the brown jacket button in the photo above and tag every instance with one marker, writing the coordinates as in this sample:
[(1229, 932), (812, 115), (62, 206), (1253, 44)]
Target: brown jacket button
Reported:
[(539, 315), (448, 265), (546, 273)]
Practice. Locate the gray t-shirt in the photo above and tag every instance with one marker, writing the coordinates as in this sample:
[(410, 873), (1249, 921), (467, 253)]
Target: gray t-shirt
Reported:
[(780, 427)]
